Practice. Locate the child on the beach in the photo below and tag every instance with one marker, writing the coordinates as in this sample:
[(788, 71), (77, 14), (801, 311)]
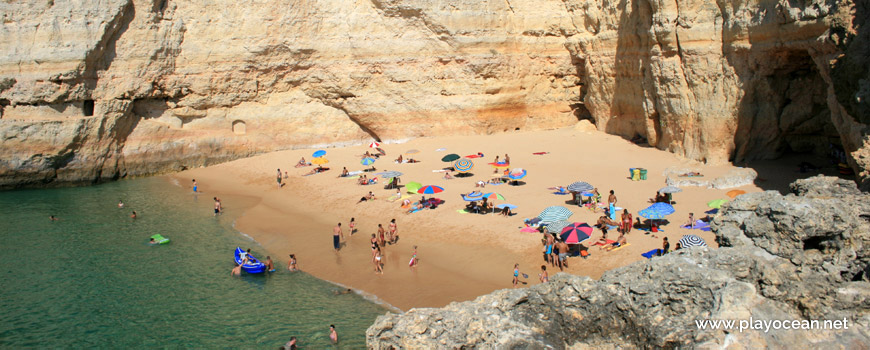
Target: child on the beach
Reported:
[(516, 266), (352, 225), (413, 262)]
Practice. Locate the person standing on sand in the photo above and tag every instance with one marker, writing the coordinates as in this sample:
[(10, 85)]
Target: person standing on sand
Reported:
[(291, 265), (381, 241), (337, 235), (549, 252), (352, 225), (413, 257), (611, 200), (333, 337), (374, 242), (562, 247), (627, 221), (394, 236), (516, 271), (507, 159), (279, 178), (378, 268), (666, 246), (194, 185), (543, 275)]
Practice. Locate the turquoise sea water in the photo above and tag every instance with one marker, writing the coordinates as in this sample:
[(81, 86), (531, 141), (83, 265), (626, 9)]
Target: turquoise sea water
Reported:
[(91, 280)]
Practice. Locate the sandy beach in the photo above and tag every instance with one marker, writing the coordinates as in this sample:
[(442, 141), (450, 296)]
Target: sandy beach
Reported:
[(462, 255)]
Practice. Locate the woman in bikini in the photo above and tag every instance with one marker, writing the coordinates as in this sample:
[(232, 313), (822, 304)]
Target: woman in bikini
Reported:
[(393, 235), (378, 268), (291, 265), (374, 242), (516, 270), (626, 221), (381, 241)]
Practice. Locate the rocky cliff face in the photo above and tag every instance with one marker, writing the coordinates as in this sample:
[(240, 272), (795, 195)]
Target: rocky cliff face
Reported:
[(94, 90), (795, 257)]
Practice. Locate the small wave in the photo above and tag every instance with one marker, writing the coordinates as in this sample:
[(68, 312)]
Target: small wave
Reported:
[(368, 296), (174, 181)]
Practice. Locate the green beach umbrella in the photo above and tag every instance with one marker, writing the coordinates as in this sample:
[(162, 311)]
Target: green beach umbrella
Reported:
[(716, 203), (450, 157), (413, 187)]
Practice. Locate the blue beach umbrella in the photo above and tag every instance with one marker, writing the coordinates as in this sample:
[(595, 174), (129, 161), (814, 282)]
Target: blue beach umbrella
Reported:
[(555, 213), (367, 161), (463, 165), (473, 196), (319, 153), (657, 211)]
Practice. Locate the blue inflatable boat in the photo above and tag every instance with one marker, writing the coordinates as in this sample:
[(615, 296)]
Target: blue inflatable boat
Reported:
[(252, 266)]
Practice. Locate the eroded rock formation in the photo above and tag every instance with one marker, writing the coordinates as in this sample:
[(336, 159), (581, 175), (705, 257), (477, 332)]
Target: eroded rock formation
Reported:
[(94, 90), (795, 257)]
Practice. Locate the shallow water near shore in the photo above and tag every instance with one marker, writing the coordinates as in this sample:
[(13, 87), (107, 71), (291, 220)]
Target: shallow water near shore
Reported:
[(91, 280)]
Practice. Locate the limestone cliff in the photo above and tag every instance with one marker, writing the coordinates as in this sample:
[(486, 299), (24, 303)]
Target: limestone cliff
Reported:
[(796, 257), (93, 90)]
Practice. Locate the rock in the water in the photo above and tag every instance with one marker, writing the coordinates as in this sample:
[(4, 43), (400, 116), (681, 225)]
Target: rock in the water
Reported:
[(780, 258)]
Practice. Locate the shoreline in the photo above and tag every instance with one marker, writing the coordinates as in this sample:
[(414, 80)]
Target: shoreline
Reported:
[(462, 256)]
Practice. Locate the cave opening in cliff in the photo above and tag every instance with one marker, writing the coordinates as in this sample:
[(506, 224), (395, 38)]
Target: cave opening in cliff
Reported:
[(88, 108), (239, 127), (785, 111)]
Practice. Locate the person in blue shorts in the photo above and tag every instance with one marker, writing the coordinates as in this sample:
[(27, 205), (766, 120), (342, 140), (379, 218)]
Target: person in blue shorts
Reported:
[(194, 185)]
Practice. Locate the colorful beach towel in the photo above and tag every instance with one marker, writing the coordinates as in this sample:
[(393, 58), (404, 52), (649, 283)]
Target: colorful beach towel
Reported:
[(462, 211), (540, 153), (620, 247), (699, 225), (650, 254)]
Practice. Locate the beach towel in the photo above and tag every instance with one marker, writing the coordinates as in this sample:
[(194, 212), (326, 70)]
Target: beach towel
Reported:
[(699, 225), (462, 211), (352, 177), (609, 242), (561, 193), (650, 254), (440, 149), (472, 156), (394, 198), (646, 229), (620, 247), (354, 172), (415, 210), (540, 153)]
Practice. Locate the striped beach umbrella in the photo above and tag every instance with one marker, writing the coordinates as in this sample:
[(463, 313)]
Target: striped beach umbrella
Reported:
[(374, 144), (320, 161), (473, 196), (318, 154), (580, 186), (463, 165), (692, 241), (430, 189), (493, 196), (670, 189), (450, 157), (413, 187), (517, 173), (556, 227), (367, 161), (576, 233), (390, 174), (716, 203), (657, 211), (555, 213)]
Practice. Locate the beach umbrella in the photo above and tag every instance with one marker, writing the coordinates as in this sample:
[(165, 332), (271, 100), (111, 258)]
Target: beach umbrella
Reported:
[(529, 229), (657, 211), (493, 196), (412, 187), (473, 196), (390, 174), (318, 154), (450, 157), (374, 144), (505, 205), (716, 203), (576, 233), (556, 227), (430, 189), (670, 189), (555, 213), (367, 161), (692, 241), (463, 165), (320, 161), (500, 165), (412, 151), (517, 173), (735, 193), (580, 186)]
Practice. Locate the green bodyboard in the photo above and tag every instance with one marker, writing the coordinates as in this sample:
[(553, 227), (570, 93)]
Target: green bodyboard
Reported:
[(160, 239)]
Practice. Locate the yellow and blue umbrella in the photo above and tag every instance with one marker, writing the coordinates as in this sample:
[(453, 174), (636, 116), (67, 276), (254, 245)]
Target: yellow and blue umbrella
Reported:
[(463, 165), (367, 161), (320, 161)]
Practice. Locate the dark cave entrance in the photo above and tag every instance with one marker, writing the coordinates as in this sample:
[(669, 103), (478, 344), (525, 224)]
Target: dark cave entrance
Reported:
[(88, 108), (785, 111)]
